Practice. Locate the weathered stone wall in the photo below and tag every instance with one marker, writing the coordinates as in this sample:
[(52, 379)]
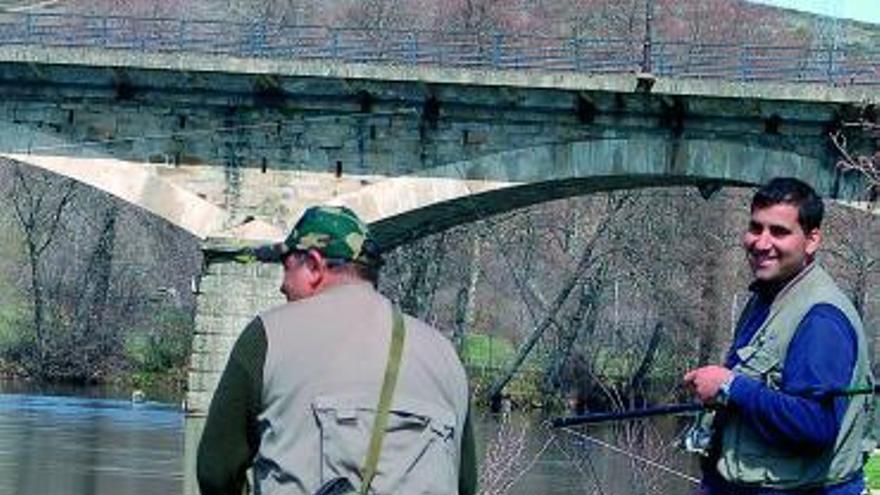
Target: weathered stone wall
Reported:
[(229, 295), (222, 149)]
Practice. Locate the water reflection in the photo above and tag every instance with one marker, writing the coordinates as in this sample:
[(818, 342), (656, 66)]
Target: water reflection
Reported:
[(79, 445), (525, 456), (57, 443)]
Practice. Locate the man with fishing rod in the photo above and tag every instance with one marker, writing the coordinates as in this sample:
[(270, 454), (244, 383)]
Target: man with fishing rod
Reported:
[(791, 409), (298, 398)]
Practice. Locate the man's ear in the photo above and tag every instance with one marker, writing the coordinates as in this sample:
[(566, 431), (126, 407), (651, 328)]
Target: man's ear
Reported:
[(313, 259), (316, 265), (814, 238)]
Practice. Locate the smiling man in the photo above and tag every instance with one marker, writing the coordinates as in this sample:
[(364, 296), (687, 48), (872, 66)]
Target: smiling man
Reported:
[(783, 425)]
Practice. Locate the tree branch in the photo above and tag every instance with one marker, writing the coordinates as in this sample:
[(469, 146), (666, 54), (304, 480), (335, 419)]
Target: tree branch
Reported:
[(869, 166)]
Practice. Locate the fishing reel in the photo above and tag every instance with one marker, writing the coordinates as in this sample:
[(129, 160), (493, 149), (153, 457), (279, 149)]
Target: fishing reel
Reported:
[(698, 437)]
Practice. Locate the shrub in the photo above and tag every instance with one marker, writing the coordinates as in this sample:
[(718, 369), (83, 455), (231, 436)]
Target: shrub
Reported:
[(16, 334), (162, 344)]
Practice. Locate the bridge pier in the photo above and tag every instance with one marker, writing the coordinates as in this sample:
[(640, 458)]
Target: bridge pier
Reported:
[(228, 295)]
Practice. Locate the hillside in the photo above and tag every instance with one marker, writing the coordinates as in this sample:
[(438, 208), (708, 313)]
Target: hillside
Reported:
[(707, 21)]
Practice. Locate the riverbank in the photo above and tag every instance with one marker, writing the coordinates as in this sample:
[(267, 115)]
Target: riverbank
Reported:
[(168, 386)]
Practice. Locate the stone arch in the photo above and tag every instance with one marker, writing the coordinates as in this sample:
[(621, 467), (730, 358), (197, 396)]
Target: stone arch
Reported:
[(406, 208), (134, 183)]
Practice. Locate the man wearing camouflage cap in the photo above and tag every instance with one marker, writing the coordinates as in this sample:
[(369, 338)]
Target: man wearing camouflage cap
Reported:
[(298, 396)]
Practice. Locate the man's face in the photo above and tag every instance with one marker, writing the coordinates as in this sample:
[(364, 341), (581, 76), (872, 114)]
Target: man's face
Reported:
[(298, 281), (776, 245)]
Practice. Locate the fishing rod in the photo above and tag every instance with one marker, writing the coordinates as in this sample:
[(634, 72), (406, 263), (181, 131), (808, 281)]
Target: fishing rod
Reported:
[(672, 409)]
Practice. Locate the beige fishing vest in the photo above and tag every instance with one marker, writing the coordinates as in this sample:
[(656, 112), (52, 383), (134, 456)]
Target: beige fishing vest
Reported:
[(325, 361), (745, 457)]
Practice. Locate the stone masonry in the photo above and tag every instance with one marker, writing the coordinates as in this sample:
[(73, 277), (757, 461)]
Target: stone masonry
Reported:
[(230, 294)]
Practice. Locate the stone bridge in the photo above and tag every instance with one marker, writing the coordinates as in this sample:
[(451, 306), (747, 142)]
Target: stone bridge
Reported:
[(232, 149)]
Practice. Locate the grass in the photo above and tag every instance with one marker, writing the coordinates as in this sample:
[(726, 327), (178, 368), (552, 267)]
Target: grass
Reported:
[(486, 351), (872, 472), (486, 357)]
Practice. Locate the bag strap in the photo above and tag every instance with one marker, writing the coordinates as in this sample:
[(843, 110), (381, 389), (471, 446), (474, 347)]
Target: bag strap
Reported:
[(391, 371)]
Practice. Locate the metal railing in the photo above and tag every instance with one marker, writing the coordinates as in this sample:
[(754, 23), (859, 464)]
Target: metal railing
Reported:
[(837, 65)]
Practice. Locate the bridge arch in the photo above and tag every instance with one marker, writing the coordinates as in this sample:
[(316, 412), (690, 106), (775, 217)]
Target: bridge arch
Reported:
[(135, 184), (405, 209)]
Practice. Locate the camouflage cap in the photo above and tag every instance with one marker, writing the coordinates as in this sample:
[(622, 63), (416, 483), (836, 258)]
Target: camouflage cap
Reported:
[(334, 231)]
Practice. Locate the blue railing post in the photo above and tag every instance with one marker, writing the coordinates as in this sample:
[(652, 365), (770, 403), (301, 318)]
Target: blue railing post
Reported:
[(105, 31), (575, 43), (659, 55), (745, 63), (70, 38), (181, 35), (497, 47), (143, 34), (28, 27), (438, 54), (261, 40), (413, 54), (830, 68), (334, 44)]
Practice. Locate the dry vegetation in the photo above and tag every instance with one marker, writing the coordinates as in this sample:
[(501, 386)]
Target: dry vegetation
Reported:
[(92, 287), (617, 294)]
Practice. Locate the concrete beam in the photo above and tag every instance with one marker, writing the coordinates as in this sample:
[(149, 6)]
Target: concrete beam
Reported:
[(194, 63)]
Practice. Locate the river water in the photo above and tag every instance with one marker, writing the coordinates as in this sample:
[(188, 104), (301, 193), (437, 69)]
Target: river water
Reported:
[(88, 442), (57, 443)]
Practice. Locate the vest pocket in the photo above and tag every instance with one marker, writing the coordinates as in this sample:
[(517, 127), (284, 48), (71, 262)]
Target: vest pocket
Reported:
[(418, 452), (748, 459), (760, 363)]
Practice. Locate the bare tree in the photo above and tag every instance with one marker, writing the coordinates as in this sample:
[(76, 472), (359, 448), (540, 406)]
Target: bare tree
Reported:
[(866, 164), (853, 255), (414, 274), (39, 204), (465, 302), (93, 272), (92, 302), (588, 258)]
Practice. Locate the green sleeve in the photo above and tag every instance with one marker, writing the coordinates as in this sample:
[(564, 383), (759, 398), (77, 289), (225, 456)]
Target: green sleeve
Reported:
[(467, 472), (230, 439)]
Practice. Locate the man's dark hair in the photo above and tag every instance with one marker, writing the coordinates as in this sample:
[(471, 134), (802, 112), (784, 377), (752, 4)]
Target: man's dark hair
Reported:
[(791, 191)]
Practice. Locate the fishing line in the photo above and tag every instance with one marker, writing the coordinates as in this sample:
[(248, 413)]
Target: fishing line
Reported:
[(530, 465), (631, 455), (577, 465)]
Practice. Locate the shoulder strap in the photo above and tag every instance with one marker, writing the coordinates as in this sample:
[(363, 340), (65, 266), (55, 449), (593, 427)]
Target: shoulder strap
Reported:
[(382, 410)]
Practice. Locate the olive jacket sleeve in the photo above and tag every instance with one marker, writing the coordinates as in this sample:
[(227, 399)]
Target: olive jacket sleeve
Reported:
[(230, 438), (467, 473)]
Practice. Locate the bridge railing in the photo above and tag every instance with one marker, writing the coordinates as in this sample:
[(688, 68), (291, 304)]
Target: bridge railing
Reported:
[(833, 65), (848, 65)]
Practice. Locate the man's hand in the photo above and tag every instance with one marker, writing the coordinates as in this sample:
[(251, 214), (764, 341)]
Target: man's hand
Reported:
[(706, 381)]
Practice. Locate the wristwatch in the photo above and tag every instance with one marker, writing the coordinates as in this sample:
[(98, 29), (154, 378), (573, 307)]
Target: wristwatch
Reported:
[(723, 394)]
